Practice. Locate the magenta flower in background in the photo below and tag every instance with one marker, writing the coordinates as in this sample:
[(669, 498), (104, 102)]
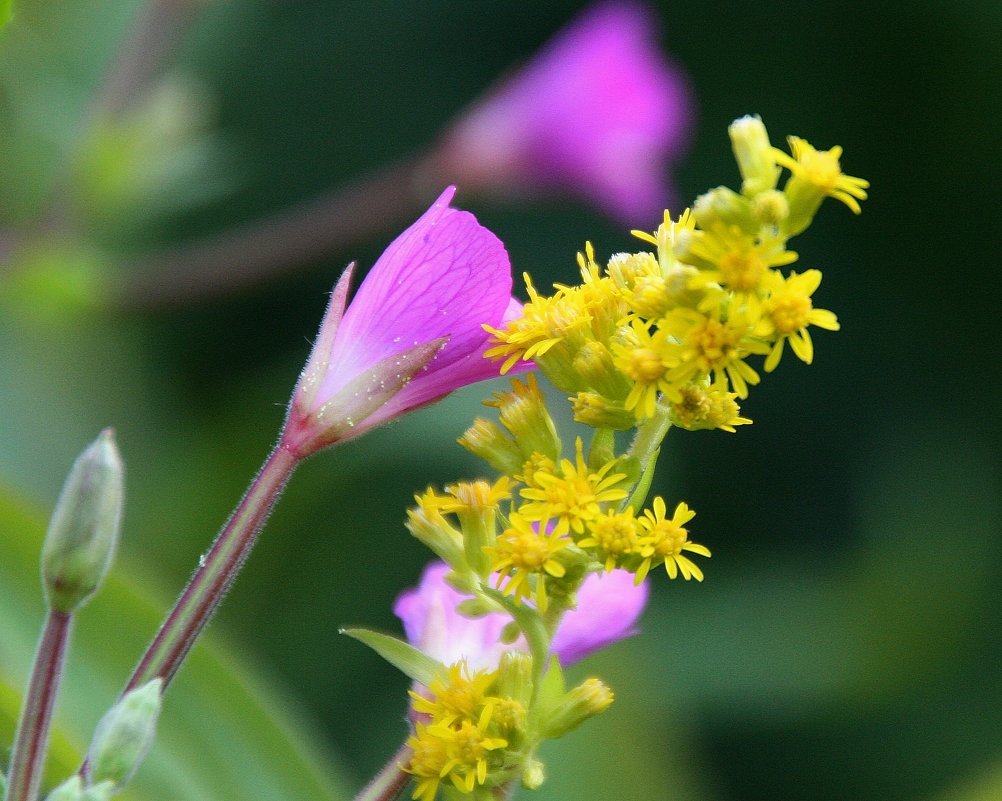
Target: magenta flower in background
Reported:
[(599, 112), (607, 611), (412, 333)]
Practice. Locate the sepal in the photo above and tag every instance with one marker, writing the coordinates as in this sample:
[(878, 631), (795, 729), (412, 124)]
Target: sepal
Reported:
[(414, 664)]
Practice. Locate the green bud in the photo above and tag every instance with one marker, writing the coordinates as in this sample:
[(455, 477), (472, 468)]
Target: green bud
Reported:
[(597, 411), (584, 701), (124, 735), (754, 155), (515, 676), (99, 792), (533, 774), (426, 523), (83, 532), (486, 440), (771, 208), (724, 207), (70, 790), (523, 412), (594, 364)]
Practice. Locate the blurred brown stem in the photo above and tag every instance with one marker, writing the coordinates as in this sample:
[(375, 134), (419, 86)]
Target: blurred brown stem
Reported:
[(266, 249), (154, 36)]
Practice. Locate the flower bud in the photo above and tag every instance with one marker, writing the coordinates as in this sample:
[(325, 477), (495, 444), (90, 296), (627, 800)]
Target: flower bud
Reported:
[(124, 735), (83, 531), (750, 142), (594, 364), (584, 701), (724, 207), (99, 792), (592, 409), (486, 440), (771, 208), (523, 412), (515, 676), (70, 790), (533, 774), (427, 524)]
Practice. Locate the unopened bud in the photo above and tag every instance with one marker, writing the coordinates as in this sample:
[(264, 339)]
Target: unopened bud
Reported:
[(724, 207), (124, 735), (523, 412), (533, 774), (594, 364), (515, 676), (771, 208), (486, 440), (428, 526), (83, 531), (585, 701), (592, 409), (102, 791), (70, 790), (754, 155)]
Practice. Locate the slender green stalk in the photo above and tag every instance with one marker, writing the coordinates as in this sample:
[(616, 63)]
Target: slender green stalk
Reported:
[(32, 739), (650, 434), (390, 781), (216, 571)]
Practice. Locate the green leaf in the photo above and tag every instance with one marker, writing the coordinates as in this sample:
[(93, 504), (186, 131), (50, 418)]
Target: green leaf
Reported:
[(413, 663), (6, 14), (224, 732)]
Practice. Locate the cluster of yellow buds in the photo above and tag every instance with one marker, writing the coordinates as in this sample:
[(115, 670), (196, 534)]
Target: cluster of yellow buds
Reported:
[(649, 341), (672, 331), (471, 726)]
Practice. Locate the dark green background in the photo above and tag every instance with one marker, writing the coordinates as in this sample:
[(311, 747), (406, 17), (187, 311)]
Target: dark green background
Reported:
[(845, 644)]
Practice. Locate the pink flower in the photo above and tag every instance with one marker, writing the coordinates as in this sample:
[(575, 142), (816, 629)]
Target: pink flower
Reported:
[(412, 333), (608, 607), (599, 112)]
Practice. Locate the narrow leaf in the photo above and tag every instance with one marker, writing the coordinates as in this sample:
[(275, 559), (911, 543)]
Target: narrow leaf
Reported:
[(413, 663)]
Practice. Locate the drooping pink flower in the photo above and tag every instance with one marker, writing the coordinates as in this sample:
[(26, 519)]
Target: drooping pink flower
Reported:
[(599, 112), (412, 333), (607, 611)]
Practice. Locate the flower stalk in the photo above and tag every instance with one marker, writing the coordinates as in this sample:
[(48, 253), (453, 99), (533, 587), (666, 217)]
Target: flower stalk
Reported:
[(389, 783), (32, 737), (216, 572)]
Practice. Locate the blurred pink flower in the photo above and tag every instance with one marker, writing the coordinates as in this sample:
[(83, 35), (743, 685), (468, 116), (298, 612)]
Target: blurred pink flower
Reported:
[(599, 112), (412, 333), (608, 607)]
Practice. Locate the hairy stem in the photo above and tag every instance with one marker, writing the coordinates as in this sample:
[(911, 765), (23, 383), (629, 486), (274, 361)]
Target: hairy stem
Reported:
[(216, 572), (390, 781), (32, 737)]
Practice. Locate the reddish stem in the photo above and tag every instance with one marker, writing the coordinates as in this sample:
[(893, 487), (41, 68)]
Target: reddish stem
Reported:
[(32, 738)]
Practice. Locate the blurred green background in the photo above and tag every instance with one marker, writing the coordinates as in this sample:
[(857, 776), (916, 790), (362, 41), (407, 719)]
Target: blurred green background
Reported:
[(846, 642)]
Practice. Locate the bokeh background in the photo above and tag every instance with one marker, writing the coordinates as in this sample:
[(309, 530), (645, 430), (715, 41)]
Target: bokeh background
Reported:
[(846, 643)]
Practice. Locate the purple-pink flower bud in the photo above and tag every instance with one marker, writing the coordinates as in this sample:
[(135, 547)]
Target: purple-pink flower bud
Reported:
[(599, 112), (412, 333), (608, 606)]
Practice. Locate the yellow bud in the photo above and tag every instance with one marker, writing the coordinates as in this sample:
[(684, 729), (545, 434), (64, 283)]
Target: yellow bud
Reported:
[(754, 155)]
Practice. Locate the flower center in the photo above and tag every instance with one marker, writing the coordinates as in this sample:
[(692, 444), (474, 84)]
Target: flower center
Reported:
[(741, 270), (645, 365), (789, 313)]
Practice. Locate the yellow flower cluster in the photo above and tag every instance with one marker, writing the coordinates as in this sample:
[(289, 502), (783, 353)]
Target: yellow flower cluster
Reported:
[(461, 740), (647, 341), (475, 731), (677, 328)]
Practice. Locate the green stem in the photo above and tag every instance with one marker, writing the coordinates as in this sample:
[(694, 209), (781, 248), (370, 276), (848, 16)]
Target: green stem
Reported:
[(216, 572), (390, 781), (32, 739), (650, 434)]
